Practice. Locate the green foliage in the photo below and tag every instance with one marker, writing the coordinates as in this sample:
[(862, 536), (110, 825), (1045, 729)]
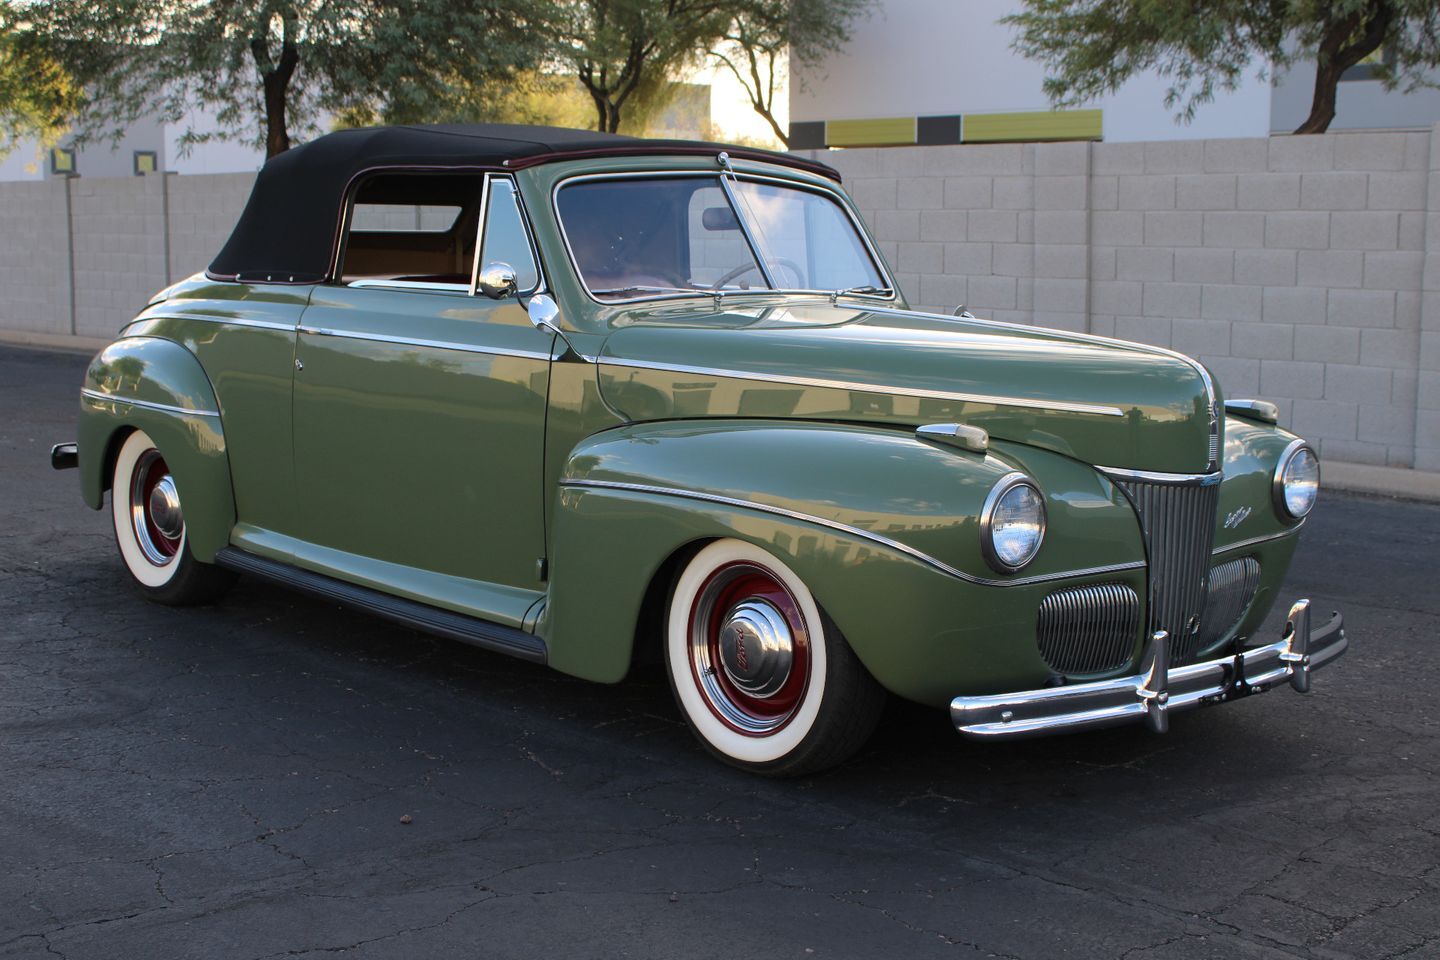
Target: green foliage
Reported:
[(264, 67), (762, 34), (1091, 47), (624, 50), (37, 95)]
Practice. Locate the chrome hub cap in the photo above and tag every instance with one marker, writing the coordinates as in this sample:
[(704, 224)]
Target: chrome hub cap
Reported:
[(749, 649), (756, 648), (155, 509), (165, 508)]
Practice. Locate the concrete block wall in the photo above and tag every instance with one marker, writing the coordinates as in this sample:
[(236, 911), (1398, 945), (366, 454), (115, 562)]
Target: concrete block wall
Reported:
[(1303, 270), (1427, 415), (120, 256), (35, 257), (202, 211)]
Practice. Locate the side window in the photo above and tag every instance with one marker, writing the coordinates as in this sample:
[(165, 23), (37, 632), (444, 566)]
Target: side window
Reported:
[(506, 238), (412, 228)]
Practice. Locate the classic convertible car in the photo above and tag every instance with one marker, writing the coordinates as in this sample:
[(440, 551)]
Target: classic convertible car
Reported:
[(581, 398)]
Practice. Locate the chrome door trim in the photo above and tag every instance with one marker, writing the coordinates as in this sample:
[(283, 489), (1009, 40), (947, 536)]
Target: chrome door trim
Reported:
[(841, 199), (425, 285), (848, 530), (147, 404), (432, 344), (1056, 405)]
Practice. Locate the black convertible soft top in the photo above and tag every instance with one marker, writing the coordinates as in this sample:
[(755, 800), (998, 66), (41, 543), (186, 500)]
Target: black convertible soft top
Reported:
[(288, 230)]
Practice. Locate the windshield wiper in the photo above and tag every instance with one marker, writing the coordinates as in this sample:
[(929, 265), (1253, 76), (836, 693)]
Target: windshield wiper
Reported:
[(616, 291), (864, 290)]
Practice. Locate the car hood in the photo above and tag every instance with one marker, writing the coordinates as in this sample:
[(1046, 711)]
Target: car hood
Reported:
[(1102, 401)]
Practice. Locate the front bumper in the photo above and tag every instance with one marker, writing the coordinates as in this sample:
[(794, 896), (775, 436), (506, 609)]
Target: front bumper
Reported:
[(1150, 695)]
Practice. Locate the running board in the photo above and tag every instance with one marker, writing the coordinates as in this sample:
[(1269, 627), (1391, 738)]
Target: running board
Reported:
[(418, 616)]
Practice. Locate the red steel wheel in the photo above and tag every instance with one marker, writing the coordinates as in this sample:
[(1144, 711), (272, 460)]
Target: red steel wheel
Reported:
[(764, 679)]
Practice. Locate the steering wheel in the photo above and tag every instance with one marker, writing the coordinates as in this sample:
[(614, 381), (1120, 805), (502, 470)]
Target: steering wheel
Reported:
[(745, 268)]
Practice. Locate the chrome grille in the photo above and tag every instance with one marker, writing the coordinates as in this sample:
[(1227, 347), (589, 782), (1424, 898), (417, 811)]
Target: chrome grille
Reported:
[(1089, 629), (1232, 587), (1177, 520)]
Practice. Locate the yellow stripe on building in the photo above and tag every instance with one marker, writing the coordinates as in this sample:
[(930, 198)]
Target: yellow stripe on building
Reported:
[(894, 131), (1031, 125)]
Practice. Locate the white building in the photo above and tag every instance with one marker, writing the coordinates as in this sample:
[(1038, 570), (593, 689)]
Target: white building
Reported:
[(938, 71)]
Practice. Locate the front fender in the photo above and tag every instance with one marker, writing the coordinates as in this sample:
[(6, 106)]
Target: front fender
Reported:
[(154, 385), (882, 527)]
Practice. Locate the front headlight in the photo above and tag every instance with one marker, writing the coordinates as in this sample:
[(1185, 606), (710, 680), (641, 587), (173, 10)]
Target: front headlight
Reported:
[(1012, 523), (1297, 481)]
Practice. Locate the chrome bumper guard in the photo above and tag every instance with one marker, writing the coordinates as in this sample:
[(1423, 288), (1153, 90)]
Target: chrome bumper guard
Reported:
[(1154, 692)]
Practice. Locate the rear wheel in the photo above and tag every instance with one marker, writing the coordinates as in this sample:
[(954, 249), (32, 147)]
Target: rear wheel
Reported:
[(764, 678), (150, 529)]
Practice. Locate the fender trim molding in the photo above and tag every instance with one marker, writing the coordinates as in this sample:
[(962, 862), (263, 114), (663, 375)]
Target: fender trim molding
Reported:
[(851, 531)]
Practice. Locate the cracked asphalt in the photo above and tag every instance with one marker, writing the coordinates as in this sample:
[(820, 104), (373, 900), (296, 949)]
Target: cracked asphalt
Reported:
[(229, 782)]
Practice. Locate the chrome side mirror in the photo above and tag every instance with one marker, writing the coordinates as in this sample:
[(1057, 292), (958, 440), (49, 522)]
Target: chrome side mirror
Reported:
[(498, 280), (543, 311), (544, 314)]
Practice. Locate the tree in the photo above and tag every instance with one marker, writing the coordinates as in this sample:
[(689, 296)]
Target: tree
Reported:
[(39, 96), (1091, 47), (763, 33), (266, 67), (622, 49)]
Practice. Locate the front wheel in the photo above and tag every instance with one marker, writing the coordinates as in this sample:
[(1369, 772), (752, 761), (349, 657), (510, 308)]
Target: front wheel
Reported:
[(763, 677), (150, 529)]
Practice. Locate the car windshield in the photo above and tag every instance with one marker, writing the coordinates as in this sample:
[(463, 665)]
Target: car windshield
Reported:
[(657, 236)]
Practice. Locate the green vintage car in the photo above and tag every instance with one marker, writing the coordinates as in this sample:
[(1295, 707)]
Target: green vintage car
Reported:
[(584, 399)]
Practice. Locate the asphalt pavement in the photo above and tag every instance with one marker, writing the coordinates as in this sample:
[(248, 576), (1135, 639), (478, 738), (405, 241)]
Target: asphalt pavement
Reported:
[(230, 782)]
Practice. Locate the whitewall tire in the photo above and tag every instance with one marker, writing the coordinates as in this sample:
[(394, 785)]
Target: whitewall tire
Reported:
[(763, 677), (150, 529)]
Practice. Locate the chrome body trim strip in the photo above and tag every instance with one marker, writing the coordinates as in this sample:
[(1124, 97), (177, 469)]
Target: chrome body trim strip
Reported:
[(147, 404), (1028, 402), (204, 318), (1156, 476), (1255, 541), (840, 198), (1152, 694), (848, 530), (432, 344)]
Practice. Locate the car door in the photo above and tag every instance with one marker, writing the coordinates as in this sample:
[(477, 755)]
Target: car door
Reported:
[(419, 404)]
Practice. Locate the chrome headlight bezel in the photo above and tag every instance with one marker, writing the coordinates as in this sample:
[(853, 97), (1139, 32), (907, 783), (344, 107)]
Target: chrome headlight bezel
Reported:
[(1278, 484), (997, 494)]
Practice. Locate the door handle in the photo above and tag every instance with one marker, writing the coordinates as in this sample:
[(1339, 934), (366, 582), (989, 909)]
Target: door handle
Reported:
[(298, 364)]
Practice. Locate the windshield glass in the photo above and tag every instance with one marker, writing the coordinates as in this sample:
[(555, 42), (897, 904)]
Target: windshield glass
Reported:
[(657, 236), (807, 241)]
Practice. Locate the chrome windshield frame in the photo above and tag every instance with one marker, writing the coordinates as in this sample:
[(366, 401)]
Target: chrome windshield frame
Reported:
[(719, 176)]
